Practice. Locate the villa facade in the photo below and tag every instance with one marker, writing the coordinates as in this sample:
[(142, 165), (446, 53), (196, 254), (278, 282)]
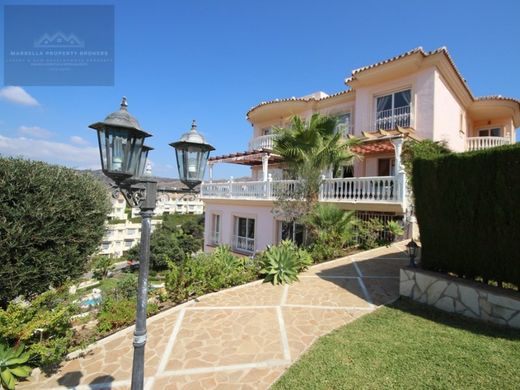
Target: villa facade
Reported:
[(417, 95)]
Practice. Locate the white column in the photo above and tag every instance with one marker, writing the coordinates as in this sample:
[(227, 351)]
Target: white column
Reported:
[(265, 166), (210, 171), (399, 172), (398, 148)]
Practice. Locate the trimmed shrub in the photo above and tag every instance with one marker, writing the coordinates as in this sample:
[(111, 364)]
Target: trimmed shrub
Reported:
[(51, 221), (468, 213)]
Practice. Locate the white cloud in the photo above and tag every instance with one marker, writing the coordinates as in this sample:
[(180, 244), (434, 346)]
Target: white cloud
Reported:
[(17, 95), (85, 157), (35, 131), (76, 139)]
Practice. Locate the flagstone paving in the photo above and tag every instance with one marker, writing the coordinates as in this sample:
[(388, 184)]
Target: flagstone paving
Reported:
[(244, 337)]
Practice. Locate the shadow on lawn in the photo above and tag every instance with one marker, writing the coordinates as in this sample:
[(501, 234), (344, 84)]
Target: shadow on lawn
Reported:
[(379, 274), (458, 321)]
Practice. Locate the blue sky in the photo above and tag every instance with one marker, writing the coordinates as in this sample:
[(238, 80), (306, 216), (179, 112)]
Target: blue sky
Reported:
[(213, 60)]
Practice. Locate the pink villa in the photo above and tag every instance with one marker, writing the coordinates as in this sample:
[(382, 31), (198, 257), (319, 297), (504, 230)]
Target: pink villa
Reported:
[(418, 95)]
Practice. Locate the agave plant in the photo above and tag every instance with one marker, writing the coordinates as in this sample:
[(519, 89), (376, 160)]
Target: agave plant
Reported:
[(280, 265), (12, 365)]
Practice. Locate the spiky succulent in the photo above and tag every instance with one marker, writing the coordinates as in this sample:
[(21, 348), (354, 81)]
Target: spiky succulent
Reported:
[(12, 365)]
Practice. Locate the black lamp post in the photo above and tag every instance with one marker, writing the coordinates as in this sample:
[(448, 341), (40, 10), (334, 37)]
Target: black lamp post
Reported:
[(411, 247), (123, 159)]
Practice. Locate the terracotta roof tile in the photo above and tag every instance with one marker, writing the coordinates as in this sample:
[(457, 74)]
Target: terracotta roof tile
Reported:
[(420, 50)]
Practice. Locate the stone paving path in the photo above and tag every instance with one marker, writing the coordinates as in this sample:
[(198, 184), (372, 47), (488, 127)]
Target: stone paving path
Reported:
[(244, 337)]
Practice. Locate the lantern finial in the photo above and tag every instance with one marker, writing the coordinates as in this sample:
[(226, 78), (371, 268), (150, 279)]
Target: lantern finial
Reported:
[(193, 125), (124, 103)]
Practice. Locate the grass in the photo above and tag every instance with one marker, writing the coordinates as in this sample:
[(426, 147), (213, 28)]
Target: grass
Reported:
[(410, 346)]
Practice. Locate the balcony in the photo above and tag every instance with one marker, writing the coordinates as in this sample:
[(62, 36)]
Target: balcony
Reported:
[(390, 119), (262, 142), (478, 143), (381, 189), (243, 244)]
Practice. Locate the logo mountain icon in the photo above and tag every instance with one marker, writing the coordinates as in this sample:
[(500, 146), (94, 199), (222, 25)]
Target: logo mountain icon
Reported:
[(58, 39)]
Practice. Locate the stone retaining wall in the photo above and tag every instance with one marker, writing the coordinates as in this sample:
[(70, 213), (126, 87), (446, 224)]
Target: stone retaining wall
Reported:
[(460, 296)]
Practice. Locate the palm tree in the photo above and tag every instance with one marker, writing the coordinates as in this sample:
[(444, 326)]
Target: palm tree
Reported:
[(330, 224), (310, 149)]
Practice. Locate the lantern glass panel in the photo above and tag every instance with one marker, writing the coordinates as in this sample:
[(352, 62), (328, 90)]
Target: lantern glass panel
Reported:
[(102, 139), (191, 161), (142, 162), (121, 150)]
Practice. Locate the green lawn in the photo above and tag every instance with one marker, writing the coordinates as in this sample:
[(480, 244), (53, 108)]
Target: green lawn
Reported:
[(407, 345)]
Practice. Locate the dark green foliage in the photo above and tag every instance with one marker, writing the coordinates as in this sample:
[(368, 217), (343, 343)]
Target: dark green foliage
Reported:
[(50, 311), (125, 288), (208, 272), (468, 213), (427, 149), (331, 229), (51, 221), (101, 266), (369, 233), (177, 237)]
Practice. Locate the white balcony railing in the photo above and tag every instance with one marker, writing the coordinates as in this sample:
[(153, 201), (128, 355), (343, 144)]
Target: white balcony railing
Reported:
[(390, 119), (477, 143), (243, 244), (262, 142), (380, 189)]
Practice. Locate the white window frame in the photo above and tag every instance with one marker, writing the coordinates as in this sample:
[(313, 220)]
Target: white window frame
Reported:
[(279, 223), (393, 93), (244, 243), (488, 130), (216, 229), (350, 127)]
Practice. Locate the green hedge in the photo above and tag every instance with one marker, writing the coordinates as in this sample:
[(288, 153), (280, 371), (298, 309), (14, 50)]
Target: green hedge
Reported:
[(468, 210), (51, 221)]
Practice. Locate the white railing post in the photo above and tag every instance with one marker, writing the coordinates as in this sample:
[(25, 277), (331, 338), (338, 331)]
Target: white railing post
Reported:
[(268, 192), (210, 172), (322, 192), (230, 188)]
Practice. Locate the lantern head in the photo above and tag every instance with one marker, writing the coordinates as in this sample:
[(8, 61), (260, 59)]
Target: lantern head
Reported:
[(121, 140), (192, 152)]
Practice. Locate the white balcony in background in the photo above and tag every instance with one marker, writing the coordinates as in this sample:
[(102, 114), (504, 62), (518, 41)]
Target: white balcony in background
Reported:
[(390, 119), (262, 142), (380, 189), (243, 244), (478, 143)]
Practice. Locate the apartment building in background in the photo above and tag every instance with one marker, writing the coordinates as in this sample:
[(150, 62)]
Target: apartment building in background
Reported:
[(123, 231), (416, 95)]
